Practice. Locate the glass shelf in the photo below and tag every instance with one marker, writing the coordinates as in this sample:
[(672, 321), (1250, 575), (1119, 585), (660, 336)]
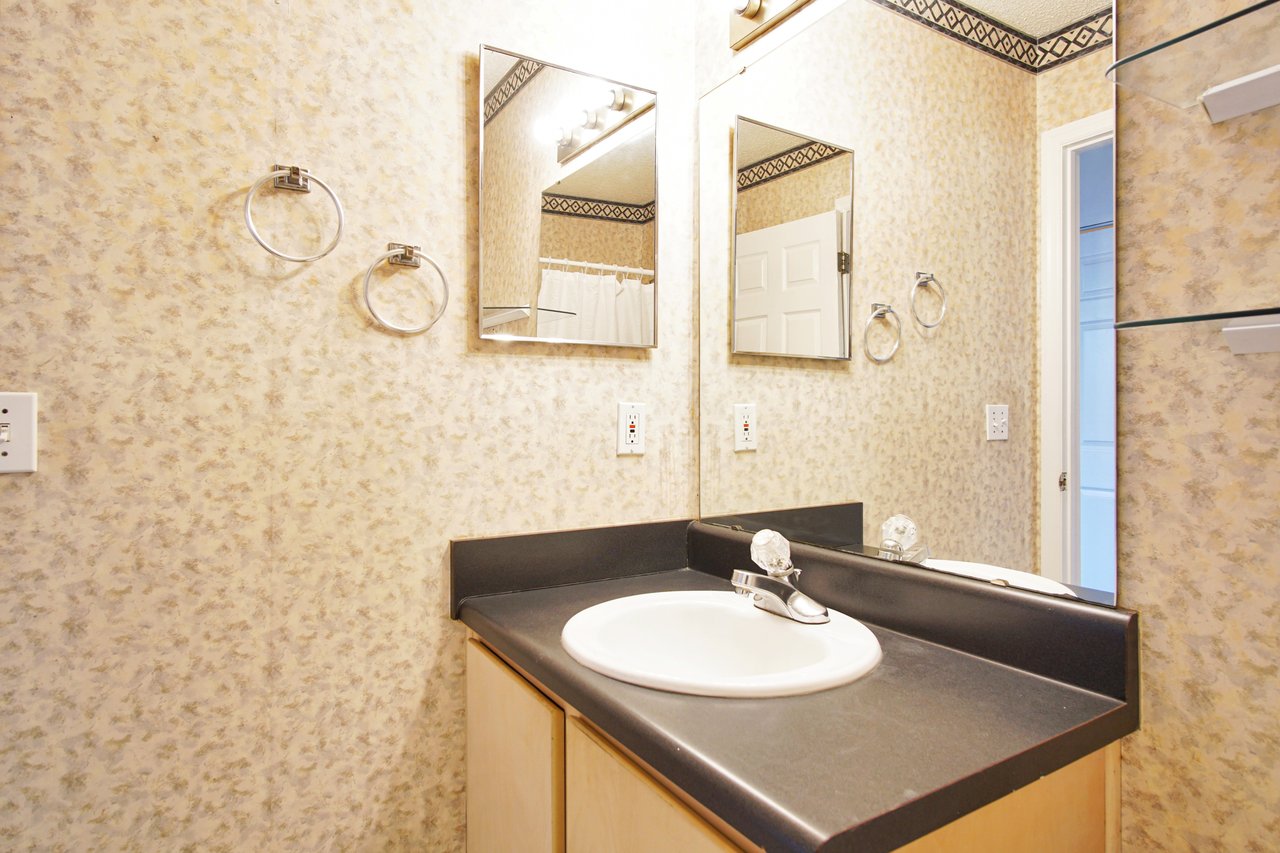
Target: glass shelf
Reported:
[(1180, 70), (1196, 318), (1256, 330)]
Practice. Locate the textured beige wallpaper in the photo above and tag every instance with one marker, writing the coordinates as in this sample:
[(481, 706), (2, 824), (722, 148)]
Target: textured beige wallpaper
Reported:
[(627, 244), (1199, 462), (944, 144), (1074, 90), (1201, 199), (223, 606), (807, 192), (518, 165)]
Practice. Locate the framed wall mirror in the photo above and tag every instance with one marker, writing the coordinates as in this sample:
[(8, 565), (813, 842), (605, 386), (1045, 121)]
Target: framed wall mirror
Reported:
[(568, 205), (792, 223), (952, 179)]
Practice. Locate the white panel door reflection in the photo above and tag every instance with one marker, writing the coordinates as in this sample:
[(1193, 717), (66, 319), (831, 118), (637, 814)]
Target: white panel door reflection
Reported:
[(787, 296)]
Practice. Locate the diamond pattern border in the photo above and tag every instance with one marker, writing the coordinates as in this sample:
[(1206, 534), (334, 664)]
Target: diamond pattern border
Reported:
[(1076, 40), (522, 72), (785, 163), (589, 208), (954, 19)]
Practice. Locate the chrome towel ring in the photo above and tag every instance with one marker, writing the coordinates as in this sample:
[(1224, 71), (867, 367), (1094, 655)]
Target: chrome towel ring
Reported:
[(404, 255), (296, 179), (881, 311), (924, 280)]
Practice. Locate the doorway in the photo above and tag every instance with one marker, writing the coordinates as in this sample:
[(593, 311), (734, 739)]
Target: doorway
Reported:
[(1077, 354)]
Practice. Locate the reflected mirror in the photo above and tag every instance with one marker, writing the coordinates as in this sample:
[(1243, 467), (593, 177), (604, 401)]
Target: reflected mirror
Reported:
[(792, 203), (984, 172), (568, 205)]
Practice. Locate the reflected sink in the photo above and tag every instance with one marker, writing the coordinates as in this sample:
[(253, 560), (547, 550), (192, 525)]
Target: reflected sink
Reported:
[(717, 644), (1002, 576)]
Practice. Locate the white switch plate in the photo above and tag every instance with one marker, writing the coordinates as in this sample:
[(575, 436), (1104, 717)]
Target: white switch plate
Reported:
[(17, 432), (997, 423), (746, 432), (630, 429)]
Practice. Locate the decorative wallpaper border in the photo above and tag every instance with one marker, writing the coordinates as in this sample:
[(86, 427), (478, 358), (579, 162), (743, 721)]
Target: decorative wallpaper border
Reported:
[(800, 157), (954, 19), (521, 73), (1076, 40), (589, 208)]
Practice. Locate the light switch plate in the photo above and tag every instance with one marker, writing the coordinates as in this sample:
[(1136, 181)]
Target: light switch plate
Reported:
[(17, 432)]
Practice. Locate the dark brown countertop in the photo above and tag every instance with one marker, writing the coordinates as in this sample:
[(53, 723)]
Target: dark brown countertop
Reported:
[(931, 734)]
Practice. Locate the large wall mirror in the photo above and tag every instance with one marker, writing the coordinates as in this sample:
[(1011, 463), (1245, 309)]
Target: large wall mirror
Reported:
[(568, 205), (965, 155), (791, 242)]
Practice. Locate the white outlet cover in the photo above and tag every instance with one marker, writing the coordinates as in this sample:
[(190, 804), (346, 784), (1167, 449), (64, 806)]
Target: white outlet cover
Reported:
[(18, 412), (746, 428), (997, 422), (631, 429)]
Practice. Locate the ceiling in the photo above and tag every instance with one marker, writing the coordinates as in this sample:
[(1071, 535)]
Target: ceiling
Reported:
[(494, 66), (755, 142), (1038, 18)]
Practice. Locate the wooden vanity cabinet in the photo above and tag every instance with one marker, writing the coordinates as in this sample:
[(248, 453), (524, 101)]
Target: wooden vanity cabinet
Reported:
[(515, 761), (614, 805), (540, 778)]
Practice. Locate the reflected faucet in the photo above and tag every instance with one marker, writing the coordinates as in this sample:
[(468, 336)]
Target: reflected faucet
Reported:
[(773, 592), (900, 540)]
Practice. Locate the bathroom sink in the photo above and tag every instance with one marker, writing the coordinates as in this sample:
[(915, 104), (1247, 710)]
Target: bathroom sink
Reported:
[(717, 644), (1002, 576)]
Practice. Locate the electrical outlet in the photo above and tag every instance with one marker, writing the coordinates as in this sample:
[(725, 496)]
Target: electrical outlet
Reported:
[(17, 433), (997, 423), (630, 429), (746, 432)]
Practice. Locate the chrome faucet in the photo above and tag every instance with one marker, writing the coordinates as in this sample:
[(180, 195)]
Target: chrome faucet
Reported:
[(773, 592)]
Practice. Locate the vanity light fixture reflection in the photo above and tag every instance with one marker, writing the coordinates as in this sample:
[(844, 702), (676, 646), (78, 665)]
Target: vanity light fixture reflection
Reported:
[(573, 128), (616, 107)]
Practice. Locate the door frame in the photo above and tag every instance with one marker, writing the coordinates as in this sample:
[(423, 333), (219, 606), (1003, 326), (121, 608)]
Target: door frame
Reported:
[(1059, 319)]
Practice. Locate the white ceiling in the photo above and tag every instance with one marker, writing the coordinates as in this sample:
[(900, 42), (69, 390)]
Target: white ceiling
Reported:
[(494, 66), (755, 142), (1038, 18)]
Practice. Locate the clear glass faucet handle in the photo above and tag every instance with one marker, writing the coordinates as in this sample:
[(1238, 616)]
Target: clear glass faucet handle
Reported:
[(771, 551), (899, 530)]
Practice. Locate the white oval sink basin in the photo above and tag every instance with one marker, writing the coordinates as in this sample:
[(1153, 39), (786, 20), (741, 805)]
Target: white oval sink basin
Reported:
[(1010, 577), (717, 644)]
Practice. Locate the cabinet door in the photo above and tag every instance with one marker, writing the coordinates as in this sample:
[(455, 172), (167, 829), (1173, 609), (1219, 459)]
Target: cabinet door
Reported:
[(614, 807), (515, 761), (1064, 812)]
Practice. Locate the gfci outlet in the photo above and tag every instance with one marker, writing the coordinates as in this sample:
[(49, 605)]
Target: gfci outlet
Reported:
[(746, 432), (630, 429), (997, 423)]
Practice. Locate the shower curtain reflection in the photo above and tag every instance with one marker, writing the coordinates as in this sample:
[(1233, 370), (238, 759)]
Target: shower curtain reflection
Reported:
[(597, 307)]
